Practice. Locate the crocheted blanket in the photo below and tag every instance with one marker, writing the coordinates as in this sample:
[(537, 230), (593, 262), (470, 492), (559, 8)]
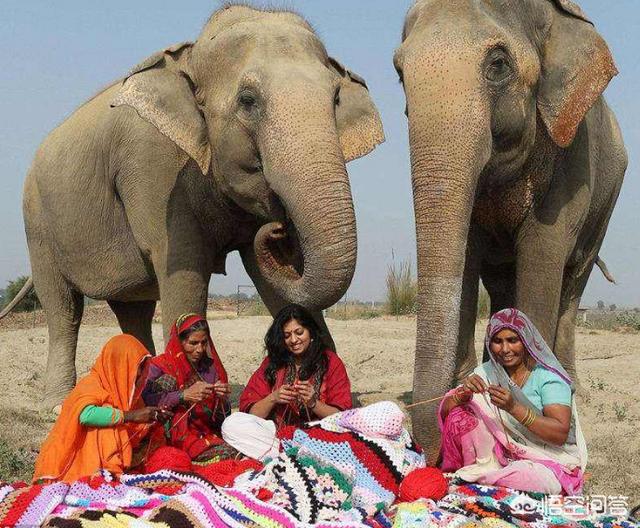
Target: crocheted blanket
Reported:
[(168, 499), (468, 505), (342, 473)]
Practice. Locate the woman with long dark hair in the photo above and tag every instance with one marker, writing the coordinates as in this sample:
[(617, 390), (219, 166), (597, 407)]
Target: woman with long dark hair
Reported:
[(300, 380)]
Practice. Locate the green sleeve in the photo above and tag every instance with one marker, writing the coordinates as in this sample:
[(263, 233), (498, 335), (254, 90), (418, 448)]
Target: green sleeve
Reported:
[(95, 416)]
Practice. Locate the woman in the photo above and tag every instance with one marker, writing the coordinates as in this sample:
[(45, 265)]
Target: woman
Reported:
[(513, 422), (103, 419), (189, 379), (299, 381)]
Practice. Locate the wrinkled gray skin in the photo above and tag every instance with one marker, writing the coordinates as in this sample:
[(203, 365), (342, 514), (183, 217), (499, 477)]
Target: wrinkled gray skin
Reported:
[(516, 163), (235, 142)]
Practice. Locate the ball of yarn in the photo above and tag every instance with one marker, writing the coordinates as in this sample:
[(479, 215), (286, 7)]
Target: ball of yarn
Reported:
[(423, 483), (168, 458)]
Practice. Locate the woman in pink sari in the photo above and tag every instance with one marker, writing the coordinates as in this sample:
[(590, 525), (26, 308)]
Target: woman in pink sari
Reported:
[(513, 422)]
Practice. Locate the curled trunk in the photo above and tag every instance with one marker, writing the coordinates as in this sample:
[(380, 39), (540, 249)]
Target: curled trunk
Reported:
[(310, 256)]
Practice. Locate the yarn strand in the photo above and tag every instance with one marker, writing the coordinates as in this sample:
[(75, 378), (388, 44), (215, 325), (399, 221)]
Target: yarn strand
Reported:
[(423, 402)]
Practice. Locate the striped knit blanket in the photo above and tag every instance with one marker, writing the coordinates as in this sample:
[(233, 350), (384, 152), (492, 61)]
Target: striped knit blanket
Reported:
[(342, 473)]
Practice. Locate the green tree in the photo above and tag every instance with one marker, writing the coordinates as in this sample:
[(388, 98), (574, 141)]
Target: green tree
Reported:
[(29, 303)]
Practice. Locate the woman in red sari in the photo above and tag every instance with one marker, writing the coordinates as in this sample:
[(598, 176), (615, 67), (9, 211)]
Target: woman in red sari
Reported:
[(190, 380), (300, 380)]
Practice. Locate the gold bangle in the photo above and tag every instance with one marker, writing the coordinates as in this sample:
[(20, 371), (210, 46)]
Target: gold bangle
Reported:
[(529, 418), (455, 398)]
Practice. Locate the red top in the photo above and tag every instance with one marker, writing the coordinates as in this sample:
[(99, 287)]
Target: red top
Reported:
[(334, 389), (200, 429)]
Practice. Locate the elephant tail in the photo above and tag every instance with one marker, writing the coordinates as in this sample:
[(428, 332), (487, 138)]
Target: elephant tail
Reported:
[(21, 295), (599, 262)]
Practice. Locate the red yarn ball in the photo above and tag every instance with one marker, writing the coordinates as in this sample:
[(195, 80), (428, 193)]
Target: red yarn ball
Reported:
[(168, 458), (423, 483)]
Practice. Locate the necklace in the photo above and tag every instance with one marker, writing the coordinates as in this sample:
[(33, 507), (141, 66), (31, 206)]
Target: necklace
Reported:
[(523, 380)]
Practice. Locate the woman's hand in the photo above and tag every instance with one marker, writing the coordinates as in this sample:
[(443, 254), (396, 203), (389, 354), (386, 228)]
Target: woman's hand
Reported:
[(198, 392), (147, 415), (306, 392), (221, 389), (474, 383), (501, 398), (284, 394), (462, 395)]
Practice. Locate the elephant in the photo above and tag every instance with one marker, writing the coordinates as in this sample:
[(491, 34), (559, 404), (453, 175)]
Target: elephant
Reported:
[(236, 141), (516, 163)]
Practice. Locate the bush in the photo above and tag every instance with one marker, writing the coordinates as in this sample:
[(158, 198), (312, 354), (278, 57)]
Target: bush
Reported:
[(255, 307), (629, 320), (402, 289), (346, 312), (29, 303)]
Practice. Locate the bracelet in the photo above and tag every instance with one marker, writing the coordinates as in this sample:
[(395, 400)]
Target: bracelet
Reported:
[(528, 418), (456, 398)]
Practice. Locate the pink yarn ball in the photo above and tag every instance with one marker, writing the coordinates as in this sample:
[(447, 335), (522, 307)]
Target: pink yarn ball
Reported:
[(423, 483)]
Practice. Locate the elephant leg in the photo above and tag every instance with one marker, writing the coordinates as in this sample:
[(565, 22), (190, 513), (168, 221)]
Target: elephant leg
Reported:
[(272, 300), (566, 335), (466, 359), (181, 267), (135, 318), (63, 307), (500, 282), (541, 256), (564, 346), (182, 292)]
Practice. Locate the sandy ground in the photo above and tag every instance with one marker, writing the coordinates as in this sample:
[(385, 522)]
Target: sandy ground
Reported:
[(379, 357)]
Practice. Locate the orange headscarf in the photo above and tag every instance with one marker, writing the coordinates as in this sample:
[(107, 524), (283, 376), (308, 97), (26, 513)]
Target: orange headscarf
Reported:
[(73, 450)]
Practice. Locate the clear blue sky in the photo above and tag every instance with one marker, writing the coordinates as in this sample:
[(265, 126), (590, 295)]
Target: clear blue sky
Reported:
[(57, 54)]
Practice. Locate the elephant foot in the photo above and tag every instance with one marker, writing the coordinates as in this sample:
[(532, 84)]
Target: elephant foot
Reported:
[(53, 402)]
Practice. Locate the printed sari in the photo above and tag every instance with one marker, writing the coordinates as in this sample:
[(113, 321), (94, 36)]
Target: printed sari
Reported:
[(72, 450), (485, 445), (194, 429)]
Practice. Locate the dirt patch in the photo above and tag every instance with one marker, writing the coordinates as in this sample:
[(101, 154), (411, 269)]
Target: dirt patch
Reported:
[(608, 367)]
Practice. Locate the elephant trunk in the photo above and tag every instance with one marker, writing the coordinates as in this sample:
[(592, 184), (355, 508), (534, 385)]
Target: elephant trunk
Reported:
[(305, 167), (450, 142)]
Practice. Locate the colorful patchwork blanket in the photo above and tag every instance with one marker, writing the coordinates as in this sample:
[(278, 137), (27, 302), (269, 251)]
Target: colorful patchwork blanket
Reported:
[(344, 472), (173, 499)]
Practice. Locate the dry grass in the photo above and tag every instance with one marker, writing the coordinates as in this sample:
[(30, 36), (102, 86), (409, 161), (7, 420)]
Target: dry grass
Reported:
[(402, 289)]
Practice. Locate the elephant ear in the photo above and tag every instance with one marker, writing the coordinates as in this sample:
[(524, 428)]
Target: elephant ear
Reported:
[(576, 68), (161, 93), (359, 125)]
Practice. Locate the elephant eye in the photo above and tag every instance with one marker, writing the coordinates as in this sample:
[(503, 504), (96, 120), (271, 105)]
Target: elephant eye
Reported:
[(498, 67), (247, 100), (336, 98)]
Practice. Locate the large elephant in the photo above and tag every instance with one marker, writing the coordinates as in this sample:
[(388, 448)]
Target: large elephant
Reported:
[(516, 164), (237, 141)]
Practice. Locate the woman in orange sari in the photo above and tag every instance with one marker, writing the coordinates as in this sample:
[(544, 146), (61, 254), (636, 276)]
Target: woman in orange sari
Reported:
[(103, 419)]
